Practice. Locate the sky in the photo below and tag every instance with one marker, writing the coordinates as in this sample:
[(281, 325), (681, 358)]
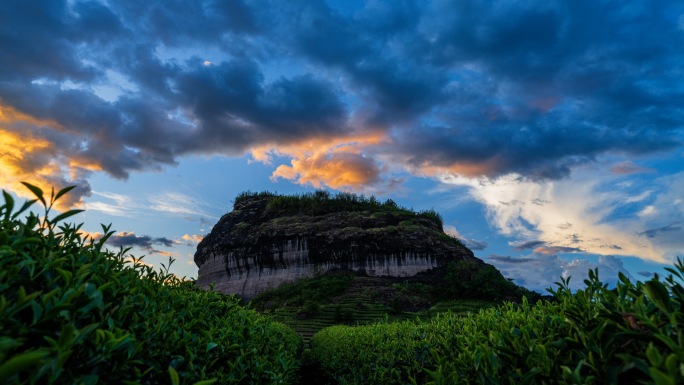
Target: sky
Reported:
[(549, 134)]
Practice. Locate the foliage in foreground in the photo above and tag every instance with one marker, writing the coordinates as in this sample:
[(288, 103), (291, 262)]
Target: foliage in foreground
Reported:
[(72, 312), (631, 334)]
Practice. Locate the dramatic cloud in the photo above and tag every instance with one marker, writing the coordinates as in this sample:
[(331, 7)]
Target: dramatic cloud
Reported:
[(471, 88), (583, 214), (337, 163), (536, 107), (27, 156)]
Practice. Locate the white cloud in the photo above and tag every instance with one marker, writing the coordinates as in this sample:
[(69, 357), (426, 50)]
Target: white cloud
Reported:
[(451, 230), (639, 198), (540, 271), (646, 211), (578, 212), (119, 205), (536, 272), (177, 203), (470, 243), (173, 203)]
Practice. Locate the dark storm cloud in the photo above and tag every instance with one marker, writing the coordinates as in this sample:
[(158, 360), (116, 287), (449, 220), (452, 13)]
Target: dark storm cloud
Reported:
[(126, 239), (542, 247), (529, 245), (551, 85), (55, 54), (39, 39), (553, 250), (372, 50), (652, 233), (178, 22), (236, 109), (469, 87), (509, 259)]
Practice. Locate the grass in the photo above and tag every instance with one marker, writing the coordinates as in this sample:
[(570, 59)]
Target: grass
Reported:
[(322, 202)]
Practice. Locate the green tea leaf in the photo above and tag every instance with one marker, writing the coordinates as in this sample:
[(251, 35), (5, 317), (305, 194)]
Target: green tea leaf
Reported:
[(65, 215), (173, 374), (658, 293), (206, 382), (21, 362), (654, 355), (660, 378), (9, 204), (36, 191)]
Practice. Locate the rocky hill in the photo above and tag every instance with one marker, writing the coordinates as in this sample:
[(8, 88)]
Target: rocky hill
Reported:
[(270, 239)]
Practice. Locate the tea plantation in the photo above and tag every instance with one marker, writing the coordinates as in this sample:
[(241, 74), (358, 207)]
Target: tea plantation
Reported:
[(72, 312), (628, 335)]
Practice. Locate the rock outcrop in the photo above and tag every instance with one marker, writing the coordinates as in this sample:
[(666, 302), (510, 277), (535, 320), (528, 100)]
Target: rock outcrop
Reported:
[(268, 240)]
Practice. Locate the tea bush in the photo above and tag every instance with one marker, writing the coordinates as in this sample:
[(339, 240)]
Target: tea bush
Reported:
[(628, 335), (72, 312)]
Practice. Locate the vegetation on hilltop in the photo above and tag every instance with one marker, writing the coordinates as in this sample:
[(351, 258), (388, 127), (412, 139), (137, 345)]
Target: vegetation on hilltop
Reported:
[(72, 312), (321, 202)]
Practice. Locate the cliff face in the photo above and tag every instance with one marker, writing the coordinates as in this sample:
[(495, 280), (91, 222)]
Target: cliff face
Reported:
[(260, 244)]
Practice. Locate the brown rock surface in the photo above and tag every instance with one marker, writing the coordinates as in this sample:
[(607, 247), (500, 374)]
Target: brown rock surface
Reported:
[(260, 245)]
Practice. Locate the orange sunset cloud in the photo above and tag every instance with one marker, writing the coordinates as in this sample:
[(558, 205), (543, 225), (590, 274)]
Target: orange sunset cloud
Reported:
[(338, 163), (26, 156)]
